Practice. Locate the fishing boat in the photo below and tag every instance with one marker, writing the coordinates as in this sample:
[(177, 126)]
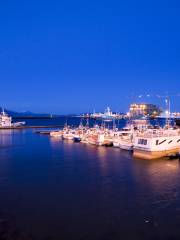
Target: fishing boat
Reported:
[(127, 138), (69, 134), (124, 141), (78, 134), (157, 143), (116, 139), (56, 134), (123, 138), (93, 139), (126, 144), (105, 139)]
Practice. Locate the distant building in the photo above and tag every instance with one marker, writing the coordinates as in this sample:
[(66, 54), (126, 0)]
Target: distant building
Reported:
[(175, 115), (107, 115), (144, 110)]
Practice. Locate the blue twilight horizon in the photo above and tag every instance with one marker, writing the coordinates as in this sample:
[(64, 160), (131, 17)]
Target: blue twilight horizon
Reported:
[(76, 56)]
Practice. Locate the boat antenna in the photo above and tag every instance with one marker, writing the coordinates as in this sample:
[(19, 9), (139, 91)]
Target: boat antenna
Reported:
[(81, 123), (167, 100), (87, 122), (3, 112), (66, 122), (102, 123), (114, 124), (118, 122)]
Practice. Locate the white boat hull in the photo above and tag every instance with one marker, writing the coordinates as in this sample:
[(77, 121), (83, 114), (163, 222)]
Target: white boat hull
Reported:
[(150, 155), (56, 134), (147, 147), (126, 147), (116, 144)]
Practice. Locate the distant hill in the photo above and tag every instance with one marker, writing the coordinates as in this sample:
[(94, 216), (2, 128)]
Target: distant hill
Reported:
[(24, 114), (29, 114)]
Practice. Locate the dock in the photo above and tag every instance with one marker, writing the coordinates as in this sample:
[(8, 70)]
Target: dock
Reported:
[(43, 132), (30, 127)]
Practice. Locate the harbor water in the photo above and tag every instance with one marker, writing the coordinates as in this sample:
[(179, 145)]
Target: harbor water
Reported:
[(53, 189)]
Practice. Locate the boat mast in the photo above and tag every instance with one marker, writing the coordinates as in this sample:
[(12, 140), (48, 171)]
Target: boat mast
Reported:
[(3, 112), (168, 111), (87, 123), (81, 123), (66, 123), (114, 124)]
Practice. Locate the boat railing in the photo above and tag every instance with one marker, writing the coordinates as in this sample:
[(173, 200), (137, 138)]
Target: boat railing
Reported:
[(157, 134)]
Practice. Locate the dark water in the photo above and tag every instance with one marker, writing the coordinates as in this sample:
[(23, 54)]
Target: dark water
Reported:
[(53, 189), (73, 121)]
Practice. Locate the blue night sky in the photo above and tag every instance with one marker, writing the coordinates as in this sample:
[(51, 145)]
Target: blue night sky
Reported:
[(74, 56)]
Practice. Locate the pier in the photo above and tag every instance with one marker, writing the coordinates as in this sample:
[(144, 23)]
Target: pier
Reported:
[(30, 127)]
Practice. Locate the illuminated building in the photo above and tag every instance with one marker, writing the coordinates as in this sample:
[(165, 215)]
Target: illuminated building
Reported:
[(144, 110)]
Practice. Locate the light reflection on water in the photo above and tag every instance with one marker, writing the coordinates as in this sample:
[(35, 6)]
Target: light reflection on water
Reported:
[(6, 138), (77, 191)]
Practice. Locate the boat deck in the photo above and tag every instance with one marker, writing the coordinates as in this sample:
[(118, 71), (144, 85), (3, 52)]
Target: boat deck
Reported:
[(156, 135)]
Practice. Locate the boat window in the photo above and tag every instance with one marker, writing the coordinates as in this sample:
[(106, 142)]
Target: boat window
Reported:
[(178, 140), (157, 142), (142, 141)]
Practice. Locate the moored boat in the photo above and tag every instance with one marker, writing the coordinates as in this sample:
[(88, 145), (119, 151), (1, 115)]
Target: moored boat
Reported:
[(56, 134), (6, 121), (153, 144), (126, 144)]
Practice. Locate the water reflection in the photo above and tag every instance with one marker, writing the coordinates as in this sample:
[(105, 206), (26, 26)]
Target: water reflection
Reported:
[(157, 185), (81, 187), (6, 138), (157, 173)]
